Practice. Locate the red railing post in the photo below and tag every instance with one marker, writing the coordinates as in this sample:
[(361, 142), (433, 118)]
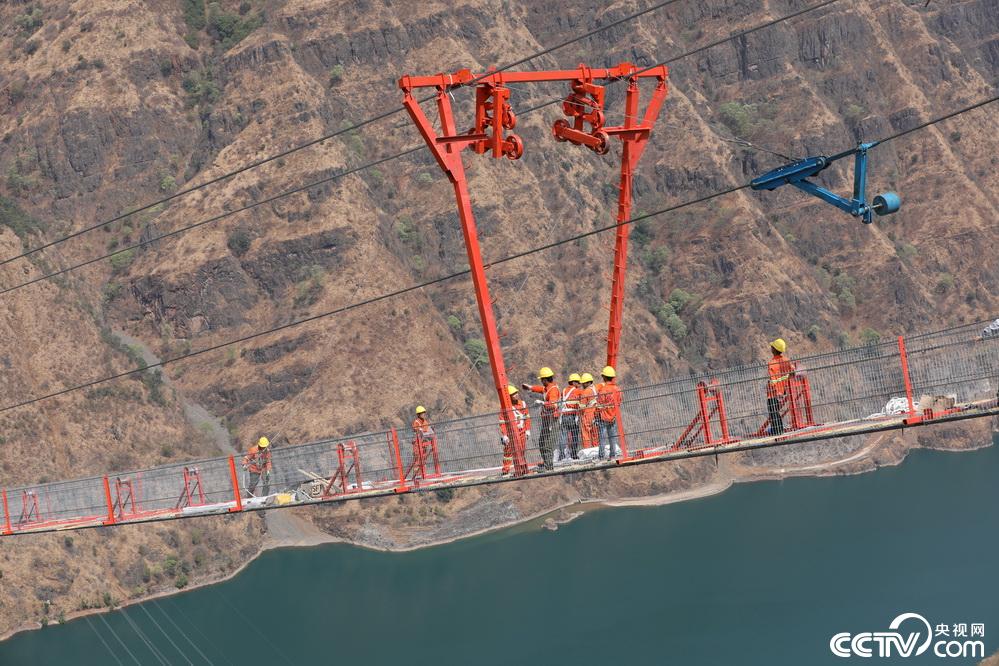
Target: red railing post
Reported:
[(6, 514), (904, 356), (237, 495), (393, 439), (720, 404), (107, 497), (702, 401)]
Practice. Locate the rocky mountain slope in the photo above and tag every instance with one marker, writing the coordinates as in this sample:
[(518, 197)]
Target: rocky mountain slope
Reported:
[(108, 105)]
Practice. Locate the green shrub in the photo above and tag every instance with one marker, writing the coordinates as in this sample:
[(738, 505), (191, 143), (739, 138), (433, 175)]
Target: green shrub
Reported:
[(869, 336), (906, 252), (670, 320), (239, 242), (424, 178), (678, 299), (30, 21), (122, 260), (194, 14), (200, 88), (336, 74), (167, 182), (813, 332), (454, 323), (11, 215), (476, 350), (655, 259), (231, 29), (181, 581), (737, 117), (945, 282)]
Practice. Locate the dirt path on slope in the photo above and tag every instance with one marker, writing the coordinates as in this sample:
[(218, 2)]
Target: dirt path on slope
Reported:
[(283, 528)]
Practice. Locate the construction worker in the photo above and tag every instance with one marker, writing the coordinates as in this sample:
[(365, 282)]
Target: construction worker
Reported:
[(422, 430), (780, 371), (608, 412), (549, 414), (588, 411), (570, 418), (258, 463), (522, 419)]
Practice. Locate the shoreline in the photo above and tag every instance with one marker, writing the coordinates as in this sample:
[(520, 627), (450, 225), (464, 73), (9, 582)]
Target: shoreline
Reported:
[(318, 538)]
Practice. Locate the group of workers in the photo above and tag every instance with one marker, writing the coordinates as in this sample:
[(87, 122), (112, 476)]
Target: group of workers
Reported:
[(578, 416)]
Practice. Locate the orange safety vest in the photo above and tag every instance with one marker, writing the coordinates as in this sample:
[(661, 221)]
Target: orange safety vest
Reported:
[(257, 460), (570, 400), (521, 416), (780, 370), (552, 397), (422, 428), (588, 399), (608, 401)]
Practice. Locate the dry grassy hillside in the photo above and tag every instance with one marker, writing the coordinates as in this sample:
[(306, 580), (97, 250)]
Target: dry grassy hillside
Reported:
[(106, 105)]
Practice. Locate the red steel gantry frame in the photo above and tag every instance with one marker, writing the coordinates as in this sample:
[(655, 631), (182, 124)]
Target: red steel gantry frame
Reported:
[(584, 108)]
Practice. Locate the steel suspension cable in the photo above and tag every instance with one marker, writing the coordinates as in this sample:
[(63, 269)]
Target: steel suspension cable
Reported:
[(118, 638), (114, 655), (422, 285), (182, 633), (170, 602), (372, 164), (312, 142), (165, 635), (145, 639)]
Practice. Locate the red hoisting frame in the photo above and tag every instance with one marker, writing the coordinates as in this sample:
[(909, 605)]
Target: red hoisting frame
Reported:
[(493, 119), (29, 508), (348, 461), (192, 486)]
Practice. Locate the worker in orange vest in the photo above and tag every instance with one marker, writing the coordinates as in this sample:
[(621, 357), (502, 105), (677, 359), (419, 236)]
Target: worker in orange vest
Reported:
[(522, 419), (780, 371), (587, 411), (422, 430), (569, 418), (549, 415), (608, 412), (258, 463)]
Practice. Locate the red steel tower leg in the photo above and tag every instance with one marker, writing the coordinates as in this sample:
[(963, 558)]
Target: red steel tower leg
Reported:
[(634, 137), (448, 156)]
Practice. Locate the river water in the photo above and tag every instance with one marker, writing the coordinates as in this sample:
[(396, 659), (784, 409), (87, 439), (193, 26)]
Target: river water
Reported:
[(764, 573)]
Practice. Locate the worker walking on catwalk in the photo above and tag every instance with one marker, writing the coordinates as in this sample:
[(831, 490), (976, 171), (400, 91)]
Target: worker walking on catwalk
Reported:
[(422, 430), (257, 463), (549, 415), (780, 371), (608, 413), (570, 418), (587, 411), (522, 421)]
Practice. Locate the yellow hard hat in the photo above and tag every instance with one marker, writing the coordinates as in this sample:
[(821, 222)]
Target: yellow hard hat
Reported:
[(779, 345), (263, 442), (608, 372), (420, 409), (545, 373), (511, 389), (574, 377), (586, 377)]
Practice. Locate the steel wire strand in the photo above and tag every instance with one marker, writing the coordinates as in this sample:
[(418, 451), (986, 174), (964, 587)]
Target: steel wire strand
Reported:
[(145, 639), (182, 633), (350, 128), (194, 625), (114, 633), (113, 654), (165, 635)]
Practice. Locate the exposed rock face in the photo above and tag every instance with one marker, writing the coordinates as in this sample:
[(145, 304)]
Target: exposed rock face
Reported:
[(105, 106)]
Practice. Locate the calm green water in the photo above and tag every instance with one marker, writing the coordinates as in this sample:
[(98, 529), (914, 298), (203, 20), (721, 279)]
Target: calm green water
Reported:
[(764, 574)]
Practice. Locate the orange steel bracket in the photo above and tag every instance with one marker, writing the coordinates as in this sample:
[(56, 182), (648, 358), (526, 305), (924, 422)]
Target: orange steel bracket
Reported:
[(236, 493), (493, 118), (6, 514), (107, 498)]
